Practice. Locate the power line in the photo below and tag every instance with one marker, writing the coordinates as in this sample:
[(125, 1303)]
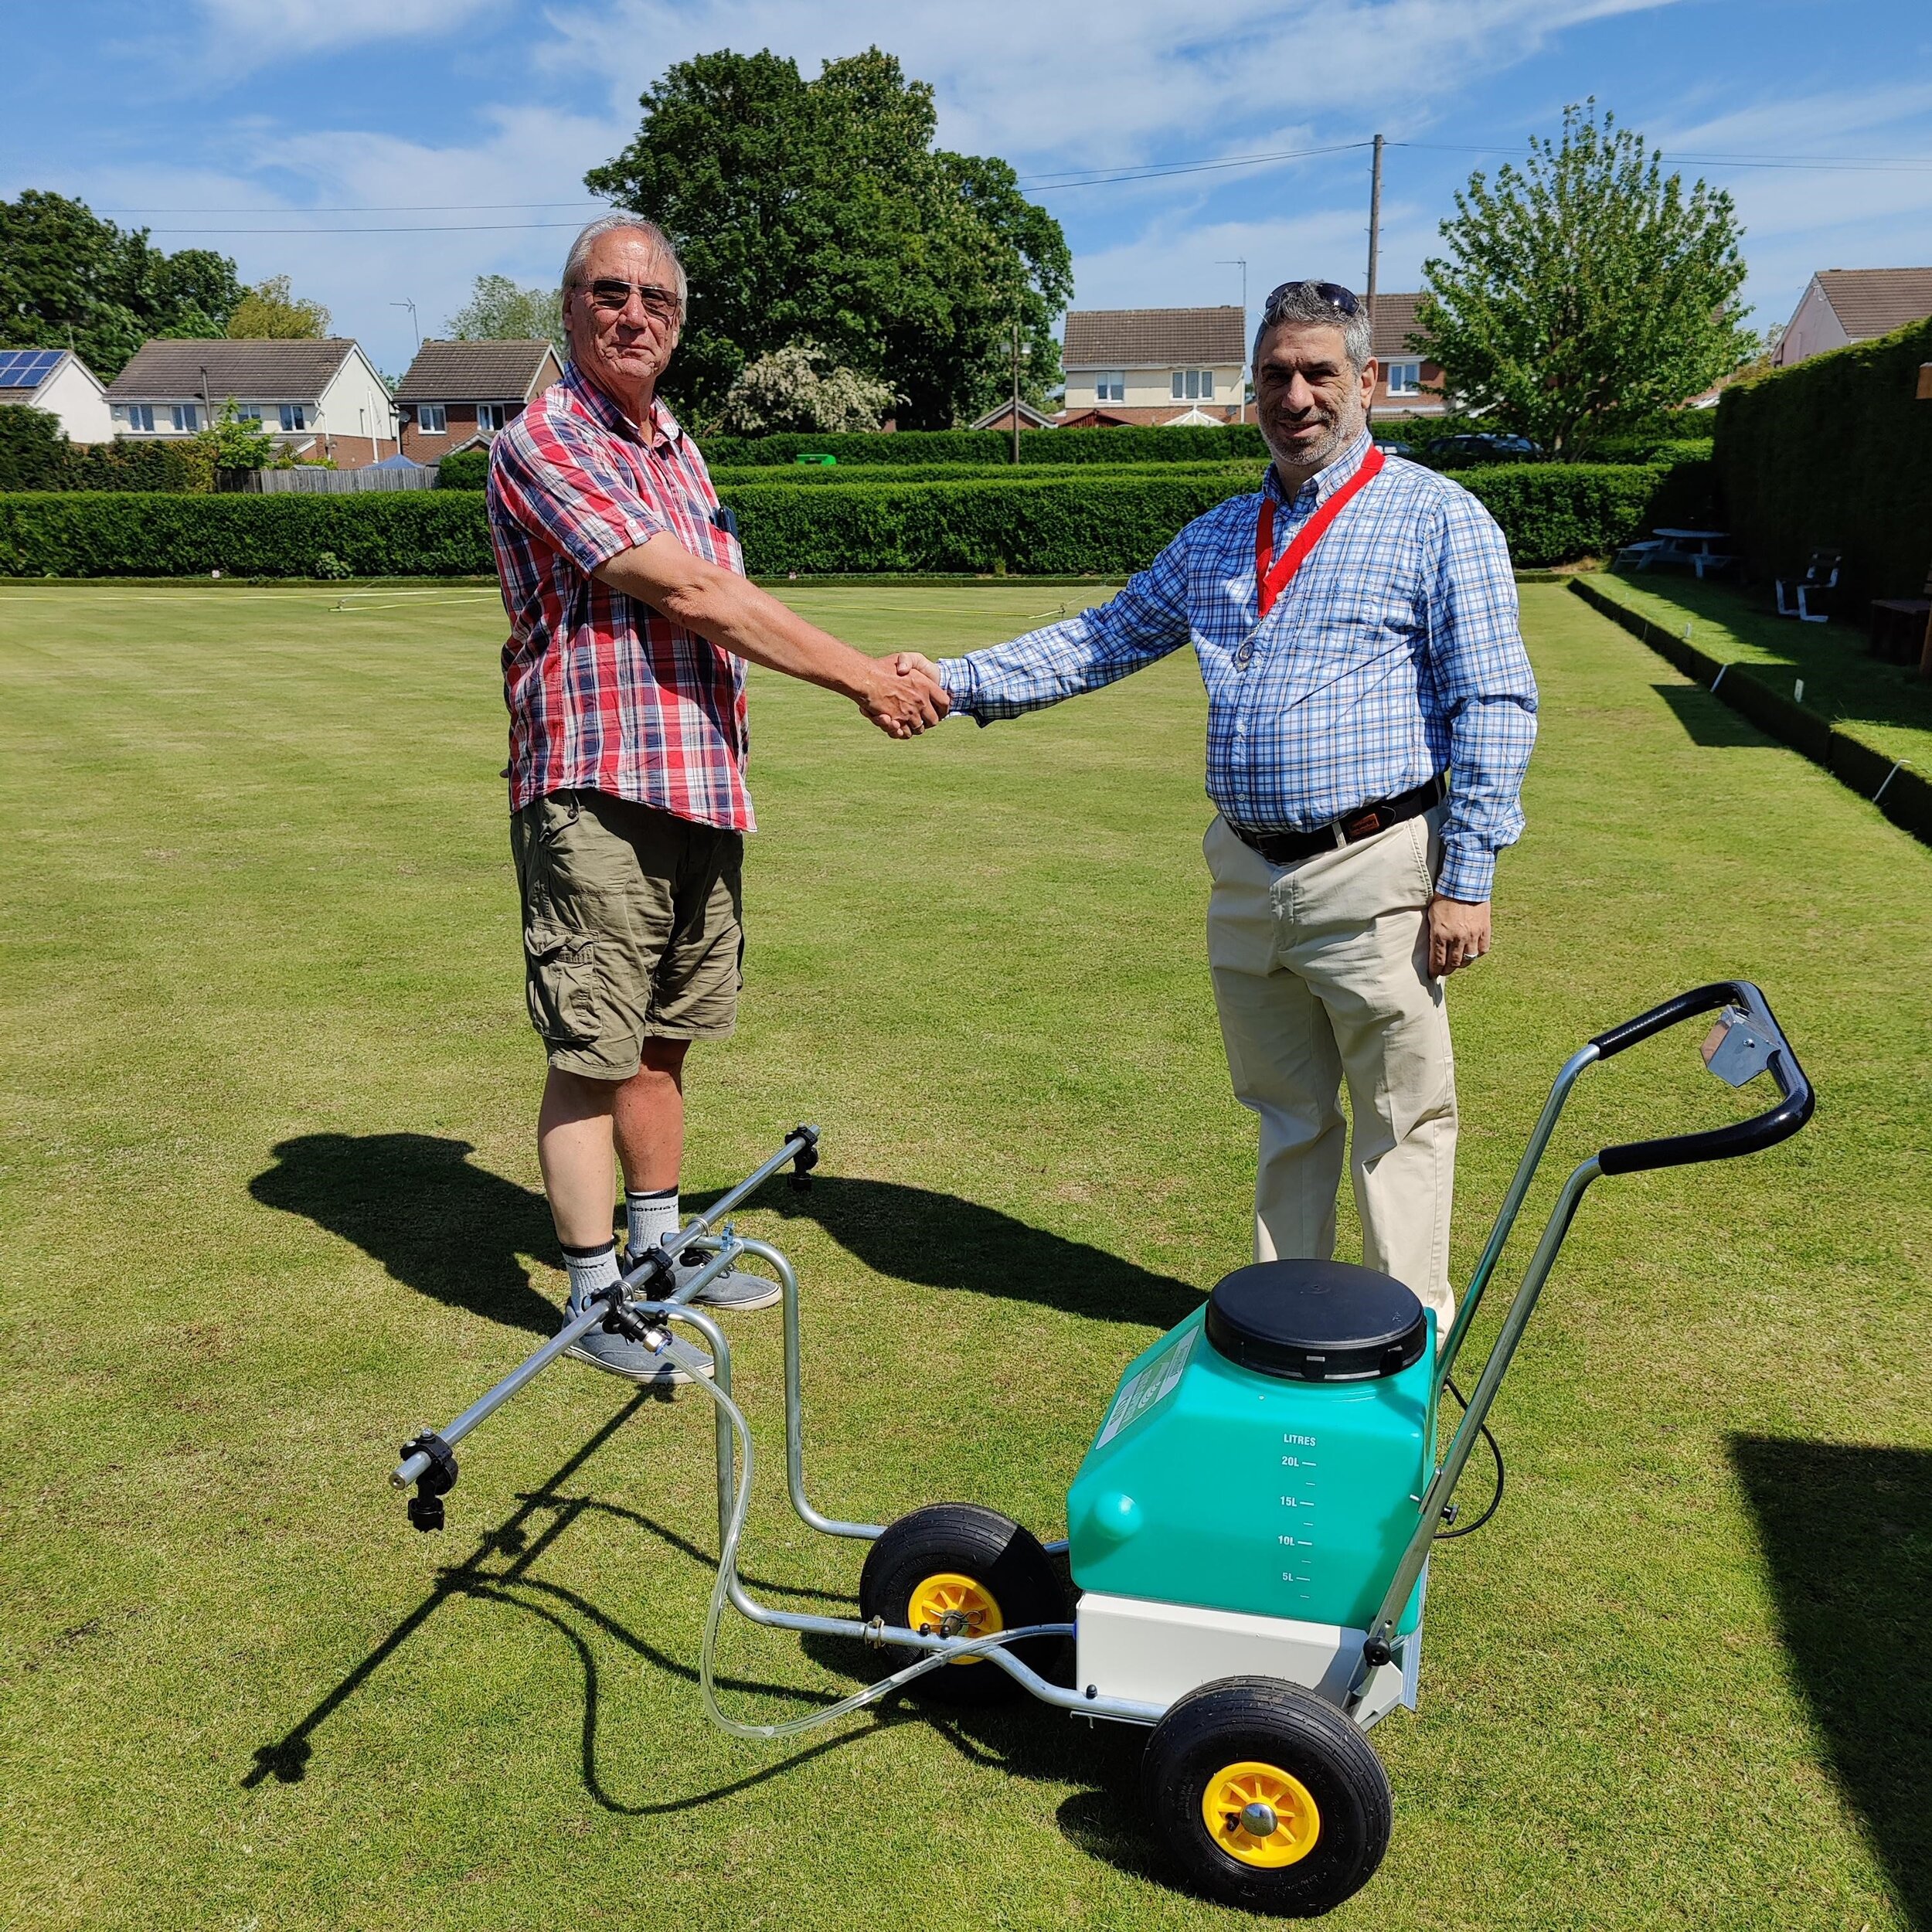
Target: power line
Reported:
[(1104, 177)]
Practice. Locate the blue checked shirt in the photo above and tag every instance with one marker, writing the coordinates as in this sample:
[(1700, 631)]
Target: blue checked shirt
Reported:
[(1392, 654)]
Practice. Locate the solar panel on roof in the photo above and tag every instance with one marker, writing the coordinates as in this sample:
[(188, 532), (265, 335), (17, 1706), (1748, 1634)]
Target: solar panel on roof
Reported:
[(27, 367)]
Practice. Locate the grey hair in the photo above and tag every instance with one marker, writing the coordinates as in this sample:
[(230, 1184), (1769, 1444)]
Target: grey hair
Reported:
[(1302, 302), (613, 224)]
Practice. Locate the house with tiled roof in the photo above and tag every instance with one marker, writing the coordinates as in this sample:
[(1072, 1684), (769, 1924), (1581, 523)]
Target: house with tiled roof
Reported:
[(458, 394), (57, 381), (1154, 365), (322, 401), (1407, 384), (1841, 306)]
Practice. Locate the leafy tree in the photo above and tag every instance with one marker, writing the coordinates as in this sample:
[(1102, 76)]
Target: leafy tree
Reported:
[(791, 389), (272, 312), (35, 452), (1585, 291), (68, 279), (819, 212), (501, 310), (233, 442)]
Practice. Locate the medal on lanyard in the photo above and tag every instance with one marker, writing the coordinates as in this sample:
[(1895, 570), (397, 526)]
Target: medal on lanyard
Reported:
[(1270, 581)]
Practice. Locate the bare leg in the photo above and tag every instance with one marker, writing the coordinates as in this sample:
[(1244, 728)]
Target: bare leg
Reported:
[(648, 1117), (573, 1150)]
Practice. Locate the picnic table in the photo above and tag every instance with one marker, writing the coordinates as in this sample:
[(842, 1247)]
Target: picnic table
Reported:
[(1697, 548)]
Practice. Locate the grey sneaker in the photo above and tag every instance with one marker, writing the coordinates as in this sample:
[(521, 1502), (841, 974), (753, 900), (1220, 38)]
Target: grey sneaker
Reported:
[(734, 1288), (617, 1355)]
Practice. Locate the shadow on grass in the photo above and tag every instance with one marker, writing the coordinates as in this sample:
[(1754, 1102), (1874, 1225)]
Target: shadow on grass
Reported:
[(439, 1225), (940, 1241), (1847, 1534), (500, 1570), (455, 1232), (1707, 720)]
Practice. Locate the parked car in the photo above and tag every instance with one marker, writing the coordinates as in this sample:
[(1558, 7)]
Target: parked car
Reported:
[(1485, 446), (1395, 449)]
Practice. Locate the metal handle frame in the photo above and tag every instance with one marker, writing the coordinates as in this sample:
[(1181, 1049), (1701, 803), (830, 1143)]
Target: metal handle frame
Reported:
[(1794, 1107)]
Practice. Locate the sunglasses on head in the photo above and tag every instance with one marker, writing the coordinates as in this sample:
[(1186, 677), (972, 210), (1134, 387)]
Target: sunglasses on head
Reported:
[(612, 296), (1338, 298)]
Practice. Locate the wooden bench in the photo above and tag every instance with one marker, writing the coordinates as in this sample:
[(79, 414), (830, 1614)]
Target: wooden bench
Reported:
[(1902, 629)]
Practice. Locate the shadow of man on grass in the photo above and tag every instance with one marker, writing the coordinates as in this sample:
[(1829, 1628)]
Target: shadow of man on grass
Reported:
[(450, 1230), (456, 1233)]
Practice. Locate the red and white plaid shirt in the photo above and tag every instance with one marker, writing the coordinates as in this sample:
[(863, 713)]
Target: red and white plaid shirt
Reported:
[(604, 693)]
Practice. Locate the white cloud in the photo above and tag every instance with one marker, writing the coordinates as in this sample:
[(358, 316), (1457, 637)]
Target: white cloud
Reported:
[(1116, 76), (242, 34)]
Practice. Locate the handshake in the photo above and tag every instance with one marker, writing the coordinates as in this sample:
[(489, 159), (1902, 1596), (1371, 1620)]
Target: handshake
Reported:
[(902, 694)]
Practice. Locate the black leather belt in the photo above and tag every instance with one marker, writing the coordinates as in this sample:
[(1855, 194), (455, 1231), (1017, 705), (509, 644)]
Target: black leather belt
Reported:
[(1290, 848)]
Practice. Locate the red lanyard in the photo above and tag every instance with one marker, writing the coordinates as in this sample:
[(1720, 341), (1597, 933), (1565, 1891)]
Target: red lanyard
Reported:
[(1270, 583)]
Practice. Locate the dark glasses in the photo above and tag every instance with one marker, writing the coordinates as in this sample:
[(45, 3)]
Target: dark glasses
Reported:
[(1338, 298), (614, 296)]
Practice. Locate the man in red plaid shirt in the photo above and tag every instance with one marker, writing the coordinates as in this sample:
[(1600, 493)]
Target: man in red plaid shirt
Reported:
[(631, 620)]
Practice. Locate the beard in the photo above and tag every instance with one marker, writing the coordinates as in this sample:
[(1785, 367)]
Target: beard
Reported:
[(1337, 432)]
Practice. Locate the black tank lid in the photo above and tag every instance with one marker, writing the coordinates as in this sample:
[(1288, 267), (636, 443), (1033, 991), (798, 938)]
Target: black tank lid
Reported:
[(1316, 1320)]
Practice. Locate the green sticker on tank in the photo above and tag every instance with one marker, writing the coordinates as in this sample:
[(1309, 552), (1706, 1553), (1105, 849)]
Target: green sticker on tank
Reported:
[(1160, 1378)]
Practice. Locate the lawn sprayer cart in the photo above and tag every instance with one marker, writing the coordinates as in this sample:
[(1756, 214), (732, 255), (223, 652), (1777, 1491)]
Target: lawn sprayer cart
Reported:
[(1248, 1535)]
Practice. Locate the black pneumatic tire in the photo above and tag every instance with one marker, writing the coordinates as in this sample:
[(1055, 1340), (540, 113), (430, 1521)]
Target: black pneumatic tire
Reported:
[(994, 1553), (1261, 1719)]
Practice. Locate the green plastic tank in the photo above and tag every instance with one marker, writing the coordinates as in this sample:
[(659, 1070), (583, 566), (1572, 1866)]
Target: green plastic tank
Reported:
[(1268, 1455)]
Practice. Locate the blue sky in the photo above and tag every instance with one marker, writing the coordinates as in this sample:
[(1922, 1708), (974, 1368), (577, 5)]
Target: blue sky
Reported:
[(454, 133)]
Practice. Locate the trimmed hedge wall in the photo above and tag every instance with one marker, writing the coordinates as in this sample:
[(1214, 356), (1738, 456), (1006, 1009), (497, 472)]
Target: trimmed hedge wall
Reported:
[(1102, 523), (1907, 794), (870, 476), (399, 533), (1836, 453), (1231, 442)]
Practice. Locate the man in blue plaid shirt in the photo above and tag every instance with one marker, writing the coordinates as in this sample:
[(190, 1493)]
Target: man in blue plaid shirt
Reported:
[(1369, 721)]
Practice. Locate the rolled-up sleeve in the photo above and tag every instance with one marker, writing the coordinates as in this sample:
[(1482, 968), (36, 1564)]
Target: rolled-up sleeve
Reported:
[(1146, 621), (557, 488), (1486, 692)]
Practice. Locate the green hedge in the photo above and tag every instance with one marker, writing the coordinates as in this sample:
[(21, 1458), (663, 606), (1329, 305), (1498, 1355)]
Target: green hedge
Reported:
[(1232, 442), (1560, 512), (1834, 453), (466, 470), (35, 454), (402, 533), (1904, 796), (871, 476), (1100, 523)]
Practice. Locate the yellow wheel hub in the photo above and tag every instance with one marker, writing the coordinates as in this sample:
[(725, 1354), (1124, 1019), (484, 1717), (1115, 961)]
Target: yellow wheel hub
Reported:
[(1241, 1796), (951, 1605)]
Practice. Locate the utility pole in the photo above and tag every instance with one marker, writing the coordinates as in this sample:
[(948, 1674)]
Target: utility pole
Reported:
[(1374, 227), (1241, 263), (1016, 389)]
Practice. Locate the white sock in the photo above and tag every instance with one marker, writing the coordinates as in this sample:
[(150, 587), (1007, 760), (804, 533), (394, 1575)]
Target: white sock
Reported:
[(650, 1217), (591, 1269)]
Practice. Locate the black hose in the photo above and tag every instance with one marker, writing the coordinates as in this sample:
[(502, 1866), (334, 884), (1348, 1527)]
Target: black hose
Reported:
[(1495, 1501)]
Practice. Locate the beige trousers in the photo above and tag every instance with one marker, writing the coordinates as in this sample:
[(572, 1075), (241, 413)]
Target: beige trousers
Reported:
[(1320, 973)]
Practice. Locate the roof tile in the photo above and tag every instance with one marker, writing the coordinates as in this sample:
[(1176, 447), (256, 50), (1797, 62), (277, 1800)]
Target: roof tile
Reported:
[(497, 371), (1874, 301), (171, 372), (1153, 338)]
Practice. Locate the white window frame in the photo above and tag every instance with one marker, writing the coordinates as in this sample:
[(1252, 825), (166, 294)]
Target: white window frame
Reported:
[(490, 417), (248, 412), (187, 418), (1404, 379), (1110, 385), (432, 419), (140, 416), (295, 416), (1193, 386)]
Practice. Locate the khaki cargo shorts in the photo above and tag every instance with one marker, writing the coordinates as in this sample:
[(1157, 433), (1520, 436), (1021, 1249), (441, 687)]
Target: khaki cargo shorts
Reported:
[(632, 928)]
